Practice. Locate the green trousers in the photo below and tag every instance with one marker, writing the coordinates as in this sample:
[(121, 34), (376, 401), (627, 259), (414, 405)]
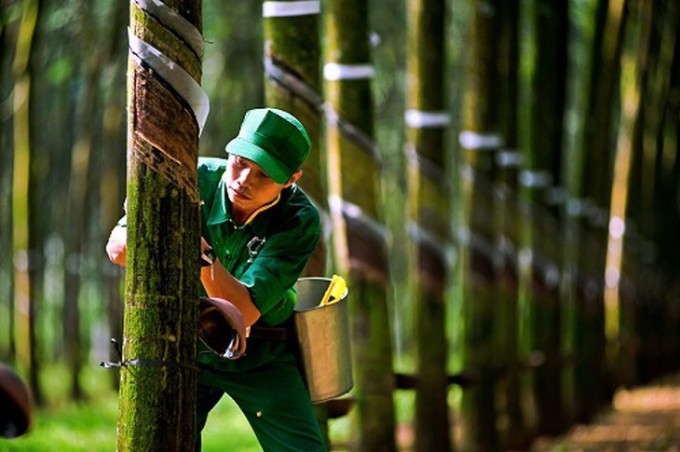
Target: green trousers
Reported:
[(269, 389)]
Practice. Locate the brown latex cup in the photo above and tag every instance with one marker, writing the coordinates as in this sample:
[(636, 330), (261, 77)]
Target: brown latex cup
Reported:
[(16, 410), (221, 327)]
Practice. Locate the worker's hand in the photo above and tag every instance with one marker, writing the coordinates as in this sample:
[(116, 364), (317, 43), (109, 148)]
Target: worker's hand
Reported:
[(222, 328), (218, 282), (208, 256), (116, 247), (204, 244)]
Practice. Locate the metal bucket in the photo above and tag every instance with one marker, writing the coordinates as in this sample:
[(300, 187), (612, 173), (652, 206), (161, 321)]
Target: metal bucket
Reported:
[(324, 337)]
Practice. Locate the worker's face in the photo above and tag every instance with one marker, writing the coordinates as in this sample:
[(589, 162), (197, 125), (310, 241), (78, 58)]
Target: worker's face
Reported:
[(249, 187)]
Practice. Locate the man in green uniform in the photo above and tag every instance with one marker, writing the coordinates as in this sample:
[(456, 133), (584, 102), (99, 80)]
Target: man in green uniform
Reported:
[(259, 230)]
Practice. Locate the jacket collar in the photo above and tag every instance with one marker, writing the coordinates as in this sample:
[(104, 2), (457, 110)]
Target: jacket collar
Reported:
[(220, 211)]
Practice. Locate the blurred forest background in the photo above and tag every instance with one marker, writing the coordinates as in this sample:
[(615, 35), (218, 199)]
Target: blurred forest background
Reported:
[(540, 232)]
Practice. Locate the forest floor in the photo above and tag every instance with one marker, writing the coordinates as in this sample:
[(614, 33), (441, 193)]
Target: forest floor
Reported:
[(645, 418), (639, 419)]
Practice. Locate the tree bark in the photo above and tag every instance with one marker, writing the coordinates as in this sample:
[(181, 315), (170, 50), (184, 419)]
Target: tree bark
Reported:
[(509, 160), (79, 194), (480, 139), (359, 235), (594, 189), (426, 121), (624, 202), (235, 60), (25, 282), (544, 168), (652, 319), (8, 37), (292, 53), (666, 179), (158, 376), (112, 160)]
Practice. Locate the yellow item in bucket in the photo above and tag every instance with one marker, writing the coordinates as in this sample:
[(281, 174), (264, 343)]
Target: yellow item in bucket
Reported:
[(336, 289)]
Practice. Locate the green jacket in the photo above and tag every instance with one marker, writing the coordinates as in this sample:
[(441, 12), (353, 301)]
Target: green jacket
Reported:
[(270, 251)]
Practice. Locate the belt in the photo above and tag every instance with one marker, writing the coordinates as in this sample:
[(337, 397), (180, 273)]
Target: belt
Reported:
[(283, 332)]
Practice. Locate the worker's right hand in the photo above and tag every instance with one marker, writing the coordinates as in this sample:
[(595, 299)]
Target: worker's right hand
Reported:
[(116, 247)]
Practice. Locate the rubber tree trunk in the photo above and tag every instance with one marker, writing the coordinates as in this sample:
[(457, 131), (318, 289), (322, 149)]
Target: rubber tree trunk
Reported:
[(625, 191), (544, 171), (594, 189), (359, 236), (509, 161), (236, 68), (656, 169), (25, 282), (111, 188), (292, 56), (480, 140), (652, 316), (158, 375), (663, 131), (8, 37), (589, 213), (426, 120), (79, 198)]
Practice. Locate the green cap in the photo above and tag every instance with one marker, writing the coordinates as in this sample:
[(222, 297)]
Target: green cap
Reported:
[(275, 140)]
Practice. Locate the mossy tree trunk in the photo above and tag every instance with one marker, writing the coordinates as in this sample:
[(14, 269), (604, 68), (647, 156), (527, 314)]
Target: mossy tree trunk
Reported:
[(625, 195), (26, 281), (429, 224), (663, 133), (509, 161), (543, 172), (653, 39), (158, 377), (8, 36), (359, 235), (594, 192), (292, 55), (112, 161), (80, 192), (636, 65), (479, 141)]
